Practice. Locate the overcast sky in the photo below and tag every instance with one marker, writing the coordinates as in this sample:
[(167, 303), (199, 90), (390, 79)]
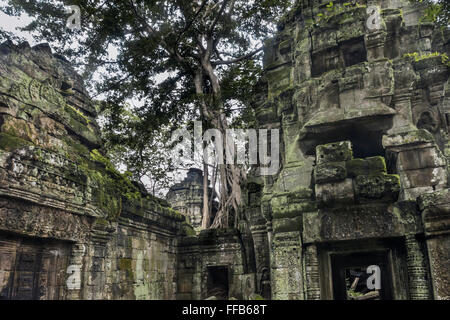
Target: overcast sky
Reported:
[(11, 24)]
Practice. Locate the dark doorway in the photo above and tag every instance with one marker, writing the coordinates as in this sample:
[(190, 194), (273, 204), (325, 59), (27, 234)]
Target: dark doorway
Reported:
[(349, 272), (354, 51), (217, 282), (367, 143)]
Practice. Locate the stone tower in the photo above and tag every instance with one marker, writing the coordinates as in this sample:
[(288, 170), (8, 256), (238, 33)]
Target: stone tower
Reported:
[(187, 197), (361, 93)]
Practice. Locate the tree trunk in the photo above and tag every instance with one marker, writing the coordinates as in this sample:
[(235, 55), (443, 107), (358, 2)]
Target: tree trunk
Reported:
[(213, 190), (206, 210), (230, 174)]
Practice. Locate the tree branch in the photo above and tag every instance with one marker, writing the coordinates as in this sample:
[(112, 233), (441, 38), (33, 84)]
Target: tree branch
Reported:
[(244, 57), (219, 14), (150, 30), (192, 21)]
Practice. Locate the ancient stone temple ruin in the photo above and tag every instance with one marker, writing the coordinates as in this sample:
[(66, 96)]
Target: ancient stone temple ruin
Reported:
[(364, 113), (71, 226), (187, 197), (363, 188)]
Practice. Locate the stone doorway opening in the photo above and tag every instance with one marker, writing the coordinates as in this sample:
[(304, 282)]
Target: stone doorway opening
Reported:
[(350, 274), (32, 268), (217, 282)]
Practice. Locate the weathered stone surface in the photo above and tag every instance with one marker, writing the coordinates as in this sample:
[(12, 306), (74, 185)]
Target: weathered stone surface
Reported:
[(377, 186), (339, 151), (371, 107), (381, 221), (329, 172), (365, 167), (187, 197), (213, 254), (335, 192), (56, 186), (364, 120)]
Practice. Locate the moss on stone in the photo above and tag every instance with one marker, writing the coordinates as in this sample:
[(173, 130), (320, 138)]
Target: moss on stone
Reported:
[(255, 296), (333, 152), (188, 230), (376, 164), (126, 264), (367, 166), (77, 114), (287, 224), (422, 58), (10, 143), (107, 184), (335, 14), (280, 79), (377, 186), (79, 148), (119, 181), (299, 193), (293, 210), (356, 167), (175, 214), (19, 128), (329, 172)]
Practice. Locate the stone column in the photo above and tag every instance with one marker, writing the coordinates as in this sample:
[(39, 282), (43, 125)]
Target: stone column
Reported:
[(312, 273), (417, 269), (403, 121), (262, 251), (375, 44), (435, 209), (74, 272), (439, 255), (286, 267), (95, 281)]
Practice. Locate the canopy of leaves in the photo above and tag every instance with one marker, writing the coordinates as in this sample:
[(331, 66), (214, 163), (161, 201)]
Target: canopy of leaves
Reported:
[(436, 11), (148, 37)]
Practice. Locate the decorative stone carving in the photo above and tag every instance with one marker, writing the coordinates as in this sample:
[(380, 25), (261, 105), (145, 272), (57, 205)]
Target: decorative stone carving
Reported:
[(371, 105), (95, 235)]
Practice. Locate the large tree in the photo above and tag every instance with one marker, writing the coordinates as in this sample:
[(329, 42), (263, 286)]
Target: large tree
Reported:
[(145, 157), (180, 59)]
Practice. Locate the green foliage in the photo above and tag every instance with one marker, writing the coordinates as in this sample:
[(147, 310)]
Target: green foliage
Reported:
[(120, 182), (332, 9), (176, 61), (445, 59), (162, 47), (353, 294), (436, 11), (145, 57), (146, 157), (419, 57)]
